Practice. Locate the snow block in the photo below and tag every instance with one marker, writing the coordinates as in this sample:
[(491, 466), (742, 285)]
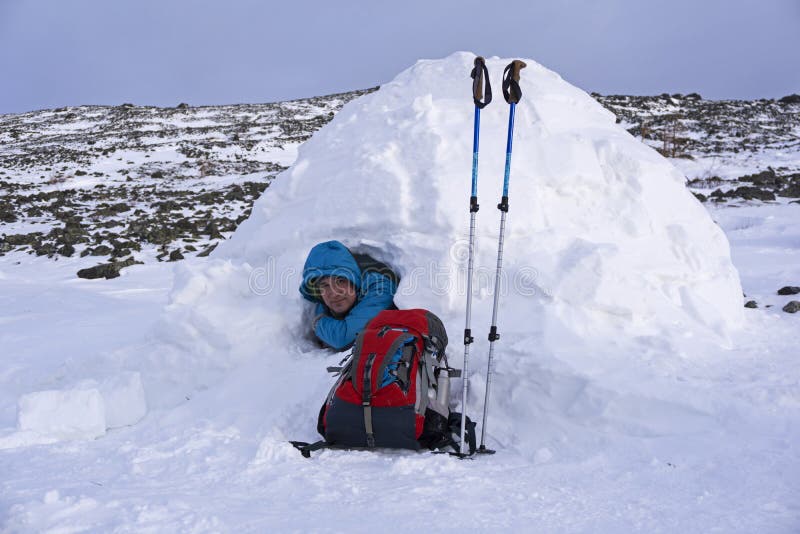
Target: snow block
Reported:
[(63, 414), (85, 411), (124, 399)]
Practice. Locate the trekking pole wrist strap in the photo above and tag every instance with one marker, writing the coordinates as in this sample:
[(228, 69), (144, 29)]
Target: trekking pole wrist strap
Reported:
[(511, 90), (481, 87)]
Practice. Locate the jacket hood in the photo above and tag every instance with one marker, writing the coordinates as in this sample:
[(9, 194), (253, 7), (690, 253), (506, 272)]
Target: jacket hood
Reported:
[(330, 258)]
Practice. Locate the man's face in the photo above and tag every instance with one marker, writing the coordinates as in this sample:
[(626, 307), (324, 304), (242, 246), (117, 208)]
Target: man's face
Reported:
[(338, 294)]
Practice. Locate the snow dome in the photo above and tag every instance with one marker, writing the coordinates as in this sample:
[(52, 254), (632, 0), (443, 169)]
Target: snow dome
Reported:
[(603, 241)]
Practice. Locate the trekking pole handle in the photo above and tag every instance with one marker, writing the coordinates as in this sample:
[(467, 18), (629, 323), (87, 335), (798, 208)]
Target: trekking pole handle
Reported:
[(511, 90), (481, 87), (516, 66)]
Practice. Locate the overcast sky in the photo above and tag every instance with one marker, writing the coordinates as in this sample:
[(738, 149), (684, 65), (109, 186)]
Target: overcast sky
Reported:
[(57, 53)]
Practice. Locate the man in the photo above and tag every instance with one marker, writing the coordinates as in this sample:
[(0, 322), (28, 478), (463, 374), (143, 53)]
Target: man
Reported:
[(348, 289)]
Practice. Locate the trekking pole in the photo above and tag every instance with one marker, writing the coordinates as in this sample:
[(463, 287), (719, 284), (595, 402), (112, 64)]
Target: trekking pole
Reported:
[(482, 96), (512, 93)]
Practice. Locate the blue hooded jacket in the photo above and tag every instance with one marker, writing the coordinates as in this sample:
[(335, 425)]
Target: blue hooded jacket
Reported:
[(374, 293)]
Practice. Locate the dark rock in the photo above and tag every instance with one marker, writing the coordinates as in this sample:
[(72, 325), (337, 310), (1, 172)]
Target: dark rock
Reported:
[(792, 307), (790, 99), (793, 191), (175, 255), (235, 193), (123, 248), (211, 197), (207, 251), (16, 240), (7, 213), (80, 173), (764, 178), (106, 270), (751, 193), (157, 174), (694, 96), (153, 231), (112, 210), (131, 245), (190, 248), (213, 231), (167, 206), (67, 250), (44, 249), (700, 196), (751, 304), (789, 290), (73, 225), (182, 105), (184, 224), (102, 250), (111, 223), (73, 232)]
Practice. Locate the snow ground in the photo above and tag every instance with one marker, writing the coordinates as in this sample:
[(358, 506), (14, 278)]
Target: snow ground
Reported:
[(216, 464), (655, 432)]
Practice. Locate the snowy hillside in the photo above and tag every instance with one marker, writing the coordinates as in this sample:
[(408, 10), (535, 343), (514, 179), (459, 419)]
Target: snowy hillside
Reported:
[(633, 391), (729, 150), (143, 183), (111, 186)]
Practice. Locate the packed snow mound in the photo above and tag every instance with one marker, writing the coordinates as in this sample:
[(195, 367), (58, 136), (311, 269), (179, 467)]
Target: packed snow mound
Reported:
[(603, 241)]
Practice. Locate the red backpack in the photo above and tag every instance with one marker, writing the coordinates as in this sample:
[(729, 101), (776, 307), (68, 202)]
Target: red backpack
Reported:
[(394, 389)]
